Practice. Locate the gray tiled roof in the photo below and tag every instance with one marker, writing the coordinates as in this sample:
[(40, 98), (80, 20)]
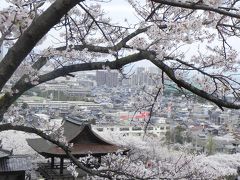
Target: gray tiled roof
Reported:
[(3, 154), (15, 163), (84, 141)]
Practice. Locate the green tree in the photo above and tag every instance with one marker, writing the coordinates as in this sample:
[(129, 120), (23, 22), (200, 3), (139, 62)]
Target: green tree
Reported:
[(25, 105), (176, 135), (210, 145)]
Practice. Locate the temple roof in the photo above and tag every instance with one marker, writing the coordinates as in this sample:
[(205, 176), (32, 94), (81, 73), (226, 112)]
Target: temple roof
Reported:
[(10, 162), (85, 141), (15, 163)]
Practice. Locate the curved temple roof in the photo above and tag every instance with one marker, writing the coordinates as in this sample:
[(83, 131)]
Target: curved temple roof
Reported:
[(84, 140)]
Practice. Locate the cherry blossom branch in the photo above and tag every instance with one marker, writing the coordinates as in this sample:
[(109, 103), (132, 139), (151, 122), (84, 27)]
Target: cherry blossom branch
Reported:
[(27, 41), (6, 33), (152, 107), (101, 49), (22, 86), (225, 80), (65, 148), (94, 20), (198, 6), (184, 84), (105, 173)]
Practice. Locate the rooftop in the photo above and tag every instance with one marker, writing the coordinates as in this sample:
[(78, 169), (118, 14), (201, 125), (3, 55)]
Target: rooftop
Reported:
[(84, 140)]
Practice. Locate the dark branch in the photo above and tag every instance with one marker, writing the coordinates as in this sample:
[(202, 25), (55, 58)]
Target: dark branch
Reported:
[(181, 83), (66, 149), (198, 6), (22, 86), (27, 41)]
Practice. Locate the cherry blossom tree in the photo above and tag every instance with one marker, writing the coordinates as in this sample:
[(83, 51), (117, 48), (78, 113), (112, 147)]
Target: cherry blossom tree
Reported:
[(149, 159), (192, 42)]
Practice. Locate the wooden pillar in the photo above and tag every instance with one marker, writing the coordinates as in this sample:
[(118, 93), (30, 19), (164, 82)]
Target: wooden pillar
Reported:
[(61, 165), (52, 162), (99, 160)]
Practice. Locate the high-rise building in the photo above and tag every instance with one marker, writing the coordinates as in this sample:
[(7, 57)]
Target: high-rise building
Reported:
[(109, 79), (154, 70), (144, 76), (100, 78), (112, 79), (140, 70)]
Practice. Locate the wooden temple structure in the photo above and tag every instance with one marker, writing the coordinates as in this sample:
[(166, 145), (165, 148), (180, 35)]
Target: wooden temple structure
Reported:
[(84, 142)]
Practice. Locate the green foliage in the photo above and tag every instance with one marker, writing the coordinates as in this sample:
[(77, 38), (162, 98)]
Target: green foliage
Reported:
[(25, 106), (178, 135), (210, 146)]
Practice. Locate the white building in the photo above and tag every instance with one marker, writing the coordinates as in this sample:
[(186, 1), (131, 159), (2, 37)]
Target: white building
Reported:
[(158, 130), (54, 87), (65, 105)]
